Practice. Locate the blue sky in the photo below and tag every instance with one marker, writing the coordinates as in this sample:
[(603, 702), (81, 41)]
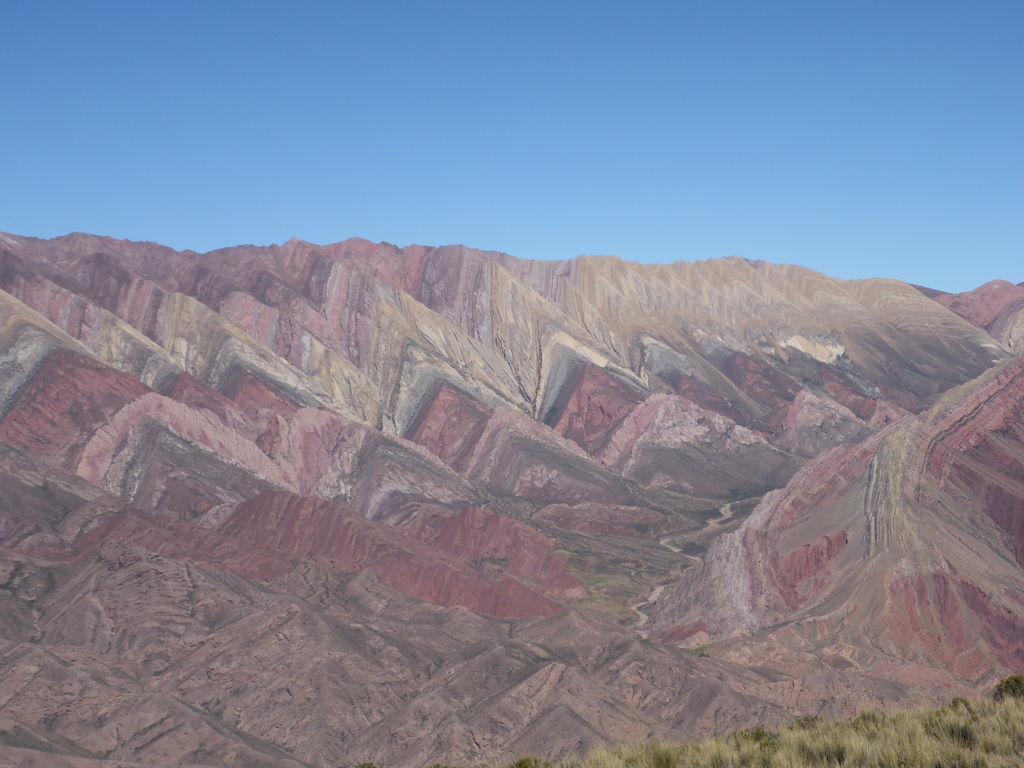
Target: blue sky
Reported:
[(859, 138)]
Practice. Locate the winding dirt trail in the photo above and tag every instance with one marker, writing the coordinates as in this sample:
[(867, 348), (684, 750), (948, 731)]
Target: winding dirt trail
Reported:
[(726, 513), (644, 618)]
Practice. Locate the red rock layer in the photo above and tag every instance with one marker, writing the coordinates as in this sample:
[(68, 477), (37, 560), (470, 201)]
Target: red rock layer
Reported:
[(594, 404), (68, 399), (321, 530), (985, 304), (485, 538), (449, 426)]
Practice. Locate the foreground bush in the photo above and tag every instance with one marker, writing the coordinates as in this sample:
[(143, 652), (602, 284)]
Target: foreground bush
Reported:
[(965, 734), (1011, 687)]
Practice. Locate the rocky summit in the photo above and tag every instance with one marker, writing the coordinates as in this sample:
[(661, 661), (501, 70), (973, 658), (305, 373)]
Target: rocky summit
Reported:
[(308, 505)]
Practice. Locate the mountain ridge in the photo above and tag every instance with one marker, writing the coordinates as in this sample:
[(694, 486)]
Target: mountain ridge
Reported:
[(431, 504), (292, 241)]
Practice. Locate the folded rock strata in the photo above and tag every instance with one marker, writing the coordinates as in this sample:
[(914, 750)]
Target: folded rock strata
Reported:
[(313, 505)]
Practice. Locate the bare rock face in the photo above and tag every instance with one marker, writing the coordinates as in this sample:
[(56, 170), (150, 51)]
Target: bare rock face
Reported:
[(986, 304), (323, 531), (810, 425), (315, 505), (997, 306), (901, 553), (672, 443)]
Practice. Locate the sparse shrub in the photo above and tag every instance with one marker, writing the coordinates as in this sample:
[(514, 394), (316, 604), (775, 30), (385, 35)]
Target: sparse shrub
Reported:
[(652, 756), (976, 733), (957, 731), (960, 761), (531, 762), (1010, 687), (868, 720), (760, 737), (807, 722), (826, 750), (663, 757)]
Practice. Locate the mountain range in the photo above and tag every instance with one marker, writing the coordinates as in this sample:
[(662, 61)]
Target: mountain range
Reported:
[(307, 505)]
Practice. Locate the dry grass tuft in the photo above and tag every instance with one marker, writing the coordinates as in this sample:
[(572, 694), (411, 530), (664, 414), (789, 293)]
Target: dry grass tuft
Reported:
[(965, 734)]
